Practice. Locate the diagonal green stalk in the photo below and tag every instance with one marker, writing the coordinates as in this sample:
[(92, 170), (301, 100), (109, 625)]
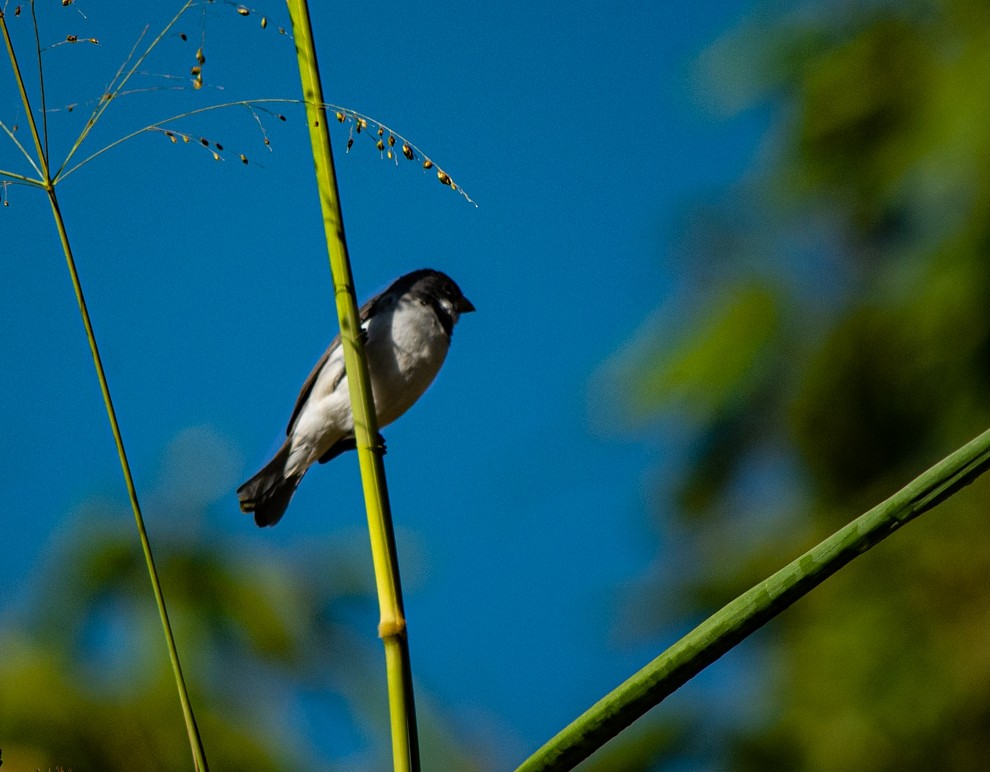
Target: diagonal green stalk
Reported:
[(754, 608), (46, 182), (195, 741), (13, 138), (392, 625)]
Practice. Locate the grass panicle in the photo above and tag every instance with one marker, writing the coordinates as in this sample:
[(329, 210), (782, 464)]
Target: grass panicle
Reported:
[(41, 163)]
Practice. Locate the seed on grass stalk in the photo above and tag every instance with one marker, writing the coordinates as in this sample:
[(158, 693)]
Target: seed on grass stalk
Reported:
[(381, 131), (264, 24), (281, 117), (350, 144), (204, 141), (407, 151), (71, 38), (381, 146), (17, 11), (219, 146), (427, 164), (183, 37), (340, 117), (444, 177), (243, 11), (391, 140), (243, 158), (199, 56), (195, 70)]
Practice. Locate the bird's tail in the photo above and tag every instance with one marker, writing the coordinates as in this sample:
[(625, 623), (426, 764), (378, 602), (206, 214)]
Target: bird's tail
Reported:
[(267, 494)]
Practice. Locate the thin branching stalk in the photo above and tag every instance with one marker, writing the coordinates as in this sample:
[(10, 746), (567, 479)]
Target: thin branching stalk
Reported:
[(117, 85), (392, 627), (47, 183), (754, 608), (195, 741), (407, 148), (25, 153), (41, 78)]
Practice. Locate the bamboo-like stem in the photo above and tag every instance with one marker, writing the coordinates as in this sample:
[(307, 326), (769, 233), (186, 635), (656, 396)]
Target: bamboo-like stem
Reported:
[(754, 608), (195, 741), (392, 625)]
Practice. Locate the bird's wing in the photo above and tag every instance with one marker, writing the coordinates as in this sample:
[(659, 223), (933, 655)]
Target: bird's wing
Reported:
[(310, 382)]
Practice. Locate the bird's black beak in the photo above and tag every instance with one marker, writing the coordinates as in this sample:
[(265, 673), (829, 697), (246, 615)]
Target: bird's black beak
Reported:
[(463, 305)]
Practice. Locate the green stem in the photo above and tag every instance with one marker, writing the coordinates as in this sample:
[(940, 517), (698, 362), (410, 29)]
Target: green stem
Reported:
[(392, 626), (195, 742), (118, 83), (754, 608), (42, 155)]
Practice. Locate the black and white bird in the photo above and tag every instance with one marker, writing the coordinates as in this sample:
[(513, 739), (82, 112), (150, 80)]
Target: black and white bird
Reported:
[(407, 331)]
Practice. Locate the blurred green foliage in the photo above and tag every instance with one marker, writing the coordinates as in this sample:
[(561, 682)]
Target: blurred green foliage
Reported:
[(846, 348), (86, 681), (280, 656)]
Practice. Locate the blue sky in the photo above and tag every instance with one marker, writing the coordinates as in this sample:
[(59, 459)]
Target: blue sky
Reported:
[(581, 131)]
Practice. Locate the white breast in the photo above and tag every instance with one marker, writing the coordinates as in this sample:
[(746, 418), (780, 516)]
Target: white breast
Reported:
[(406, 348)]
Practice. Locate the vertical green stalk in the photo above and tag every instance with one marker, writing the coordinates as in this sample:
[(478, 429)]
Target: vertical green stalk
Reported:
[(195, 742), (392, 625)]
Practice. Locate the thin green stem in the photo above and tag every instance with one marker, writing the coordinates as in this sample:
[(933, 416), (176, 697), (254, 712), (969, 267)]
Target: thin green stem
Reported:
[(39, 147), (26, 154), (195, 741), (118, 83), (250, 104), (754, 608), (392, 627), (21, 179), (158, 124), (41, 79)]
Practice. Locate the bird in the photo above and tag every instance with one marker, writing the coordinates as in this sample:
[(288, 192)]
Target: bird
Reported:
[(407, 330)]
